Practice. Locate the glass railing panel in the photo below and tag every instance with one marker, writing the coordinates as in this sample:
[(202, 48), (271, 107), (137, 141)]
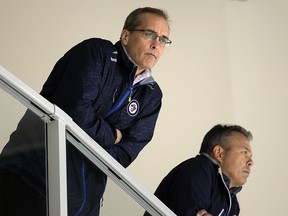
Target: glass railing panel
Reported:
[(23, 154), (117, 202), (10, 113)]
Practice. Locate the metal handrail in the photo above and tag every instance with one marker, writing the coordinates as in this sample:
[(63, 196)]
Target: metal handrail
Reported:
[(84, 143)]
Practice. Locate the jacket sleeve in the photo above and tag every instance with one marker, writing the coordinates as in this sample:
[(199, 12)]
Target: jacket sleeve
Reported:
[(73, 85), (136, 137)]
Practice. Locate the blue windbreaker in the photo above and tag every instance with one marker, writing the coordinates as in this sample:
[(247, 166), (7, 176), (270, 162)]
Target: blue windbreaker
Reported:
[(92, 83), (195, 184)]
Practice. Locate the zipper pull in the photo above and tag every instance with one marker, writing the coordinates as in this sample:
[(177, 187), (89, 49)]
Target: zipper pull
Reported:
[(130, 95)]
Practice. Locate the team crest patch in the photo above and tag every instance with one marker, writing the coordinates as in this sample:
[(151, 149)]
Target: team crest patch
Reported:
[(133, 108)]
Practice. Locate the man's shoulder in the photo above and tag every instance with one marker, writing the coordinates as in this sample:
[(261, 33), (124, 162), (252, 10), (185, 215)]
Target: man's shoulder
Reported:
[(195, 169), (196, 164), (98, 42), (198, 159)]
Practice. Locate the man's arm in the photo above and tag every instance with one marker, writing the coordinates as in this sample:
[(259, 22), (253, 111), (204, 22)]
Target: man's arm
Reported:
[(73, 86), (136, 136)]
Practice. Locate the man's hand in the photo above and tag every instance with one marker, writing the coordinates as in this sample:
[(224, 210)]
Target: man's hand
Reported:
[(203, 212), (118, 136)]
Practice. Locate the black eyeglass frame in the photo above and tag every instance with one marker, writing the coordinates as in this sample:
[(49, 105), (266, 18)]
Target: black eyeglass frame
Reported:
[(147, 33)]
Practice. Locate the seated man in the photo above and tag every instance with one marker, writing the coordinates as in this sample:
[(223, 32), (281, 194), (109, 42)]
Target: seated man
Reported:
[(208, 183)]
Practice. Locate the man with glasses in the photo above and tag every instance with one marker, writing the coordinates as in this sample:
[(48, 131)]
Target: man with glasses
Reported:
[(109, 91)]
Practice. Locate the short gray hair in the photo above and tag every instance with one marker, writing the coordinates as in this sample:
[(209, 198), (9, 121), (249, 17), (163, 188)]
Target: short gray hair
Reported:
[(133, 20), (219, 135)]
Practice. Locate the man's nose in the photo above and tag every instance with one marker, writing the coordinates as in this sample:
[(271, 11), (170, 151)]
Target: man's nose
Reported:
[(250, 162), (155, 43)]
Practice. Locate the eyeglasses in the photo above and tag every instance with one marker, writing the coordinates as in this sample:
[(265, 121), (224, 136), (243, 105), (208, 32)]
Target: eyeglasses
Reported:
[(151, 35)]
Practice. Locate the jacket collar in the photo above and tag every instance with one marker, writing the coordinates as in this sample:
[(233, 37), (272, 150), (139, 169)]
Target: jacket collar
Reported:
[(143, 78), (233, 190), (125, 58)]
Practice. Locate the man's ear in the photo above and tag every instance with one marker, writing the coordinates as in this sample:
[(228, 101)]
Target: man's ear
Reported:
[(124, 36), (218, 153)]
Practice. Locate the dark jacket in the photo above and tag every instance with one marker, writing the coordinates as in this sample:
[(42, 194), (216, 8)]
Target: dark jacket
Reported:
[(196, 184), (92, 83)]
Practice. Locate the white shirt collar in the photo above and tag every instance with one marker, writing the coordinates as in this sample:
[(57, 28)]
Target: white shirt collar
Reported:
[(145, 74)]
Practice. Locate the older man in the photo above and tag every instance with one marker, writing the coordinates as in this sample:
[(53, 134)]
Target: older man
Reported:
[(109, 91), (208, 183)]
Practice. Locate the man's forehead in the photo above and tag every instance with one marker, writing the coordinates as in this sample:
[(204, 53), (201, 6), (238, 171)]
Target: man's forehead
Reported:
[(152, 21), (239, 140)]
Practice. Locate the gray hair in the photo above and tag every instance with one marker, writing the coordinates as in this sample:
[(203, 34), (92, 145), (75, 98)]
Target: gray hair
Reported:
[(134, 18), (219, 135)]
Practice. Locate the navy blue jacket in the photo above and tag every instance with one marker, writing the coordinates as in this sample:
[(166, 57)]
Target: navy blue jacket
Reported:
[(92, 83), (196, 184), (90, 80)]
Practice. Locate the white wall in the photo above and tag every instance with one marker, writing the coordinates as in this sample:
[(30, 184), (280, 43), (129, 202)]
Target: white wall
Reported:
[(227, 64), (258, 46)]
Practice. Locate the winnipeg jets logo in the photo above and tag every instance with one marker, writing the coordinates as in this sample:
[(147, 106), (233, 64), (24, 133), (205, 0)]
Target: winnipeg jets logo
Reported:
[(133, 108)]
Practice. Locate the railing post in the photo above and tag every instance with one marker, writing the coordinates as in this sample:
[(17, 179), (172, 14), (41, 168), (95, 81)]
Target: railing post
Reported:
[(57, 175)]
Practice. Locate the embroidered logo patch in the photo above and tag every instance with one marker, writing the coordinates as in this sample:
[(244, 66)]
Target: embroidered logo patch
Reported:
[(133, 108)]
